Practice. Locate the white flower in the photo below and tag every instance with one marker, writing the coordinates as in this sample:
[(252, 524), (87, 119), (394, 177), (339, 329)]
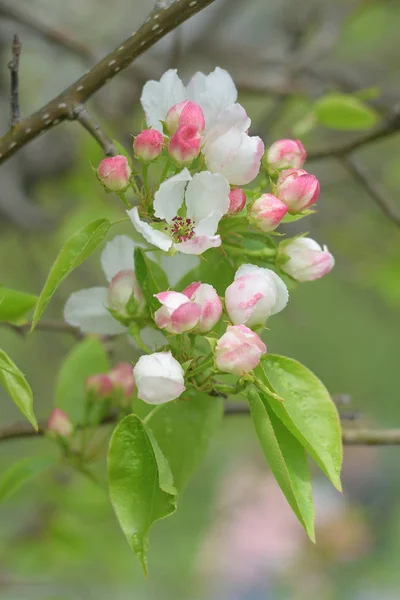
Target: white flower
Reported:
[(158, 378), (87, 309), (226, 146), (206, 197)]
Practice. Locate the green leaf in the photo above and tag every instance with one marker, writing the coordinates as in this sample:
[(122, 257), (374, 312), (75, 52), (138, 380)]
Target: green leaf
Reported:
[(216, 270), (14, 382), (286, 458), (136, 494), (14, 304), (21, 473), (86, 358), (74, 253), (151, 278), (288, 218), (341, 111), (307, 411)]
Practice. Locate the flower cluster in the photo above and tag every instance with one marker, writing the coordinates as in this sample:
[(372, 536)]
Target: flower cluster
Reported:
[(192, 163)]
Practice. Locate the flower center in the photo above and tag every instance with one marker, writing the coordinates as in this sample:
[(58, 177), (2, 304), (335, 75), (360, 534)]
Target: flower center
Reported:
[(181, 229)]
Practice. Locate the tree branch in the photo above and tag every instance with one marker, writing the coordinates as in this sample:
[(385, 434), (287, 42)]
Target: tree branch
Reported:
[(13, 65), (49, 325), (82, 115)]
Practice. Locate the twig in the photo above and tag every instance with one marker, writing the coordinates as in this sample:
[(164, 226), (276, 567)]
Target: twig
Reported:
[(13, 65), (82, 115), (160, 22), (49, 325), (374, 189)]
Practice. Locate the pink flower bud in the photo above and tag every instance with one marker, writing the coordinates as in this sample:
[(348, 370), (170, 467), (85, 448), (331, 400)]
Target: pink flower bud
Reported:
[(267, 212), (286, 154), (297, 189), (121, 377), (123, 286), (239, 350), (100, 384), (255, 295), (307, 260), (178, 314), (207, 298), (159, 378), (114, 173), (59, 423), (185, 113), (185, 144), (148, 144), (237, 201)]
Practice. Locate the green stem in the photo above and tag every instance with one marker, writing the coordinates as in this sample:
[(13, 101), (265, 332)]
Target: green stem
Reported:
[(165, 171), (263, 388), (265, 253), (224, 389), (123, 198), (206, 364), (134, 332), (152, 413)]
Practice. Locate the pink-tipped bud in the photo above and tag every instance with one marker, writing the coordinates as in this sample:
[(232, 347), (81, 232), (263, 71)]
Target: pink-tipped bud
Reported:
[(122, 289), (185, 113), (286, 154), (267, 212), (122, 378), (210, 303), (239, 350), (148, 144), (100, 384), (114, 173), (177, 313), (184, 146), (297, 189), (237, 201), (307, 260), (59, 423)]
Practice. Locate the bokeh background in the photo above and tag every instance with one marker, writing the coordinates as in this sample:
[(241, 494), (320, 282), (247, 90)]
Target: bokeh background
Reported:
[(233, 537)]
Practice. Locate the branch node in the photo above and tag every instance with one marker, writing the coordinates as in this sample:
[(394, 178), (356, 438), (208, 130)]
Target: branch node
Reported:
[(82, 115)]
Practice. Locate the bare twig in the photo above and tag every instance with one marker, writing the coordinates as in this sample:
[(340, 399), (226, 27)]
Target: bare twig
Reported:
[(82, 115), (13, 65), (49, 325), (160, 22)]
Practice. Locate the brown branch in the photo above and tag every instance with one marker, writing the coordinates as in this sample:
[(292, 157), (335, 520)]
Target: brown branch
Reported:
[(45, 325), (13, 65), (163, 19), (82, 115)]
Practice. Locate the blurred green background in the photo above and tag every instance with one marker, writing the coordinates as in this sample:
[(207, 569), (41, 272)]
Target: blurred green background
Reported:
[(233, 536)]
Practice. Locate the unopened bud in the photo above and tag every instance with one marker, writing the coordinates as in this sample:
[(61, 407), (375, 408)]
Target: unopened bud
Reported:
[(114, 173), (307, 260), (124, 288), (148, 144), (237, 201), (121, 377), (185, 113), (297, 189), (239, 350), (59, 423), (267, 212), (100, 384), (184, 146), (286, 154)]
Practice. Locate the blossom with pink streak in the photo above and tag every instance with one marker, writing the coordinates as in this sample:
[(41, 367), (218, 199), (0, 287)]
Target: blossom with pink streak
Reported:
[(114, 173), (185, 113), (184, 146), (177, 314), (158, 377), (210, 303), (59, 423), (121, 377), (239, 350), (148, 144), (122, 289), (286, 154), (307, 260), (100, 384), (237, 201), (297, 189), (266, 212), (255, 295)]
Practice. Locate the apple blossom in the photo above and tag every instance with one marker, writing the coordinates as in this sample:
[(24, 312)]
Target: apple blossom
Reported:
[(177, 314), (87, 309), (239, 350), (206, 196), (121, 376), (205, 296), (123, 288), (307, 260), (184, 146), (297, 189), (59, 423), (266, 212), (255, 295), (114, 173), (237, 201), (185, 113), (285, 154), (148, 144), (100, 384), (158, 378)]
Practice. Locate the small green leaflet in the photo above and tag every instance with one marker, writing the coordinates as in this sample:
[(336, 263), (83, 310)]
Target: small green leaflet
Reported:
[(72, 254), (14, 382), (21, 473), (14, 304), (307, 411), (151, 278), (342, 111)]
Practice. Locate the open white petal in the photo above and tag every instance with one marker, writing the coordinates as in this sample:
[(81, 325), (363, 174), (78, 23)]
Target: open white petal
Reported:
[(117, 256), (87, 310), (153, 236), (198, 244), (233, 117), (177, 266), (214, 92), (241, 166), (158, 97), (169, 197), (207, 199)]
